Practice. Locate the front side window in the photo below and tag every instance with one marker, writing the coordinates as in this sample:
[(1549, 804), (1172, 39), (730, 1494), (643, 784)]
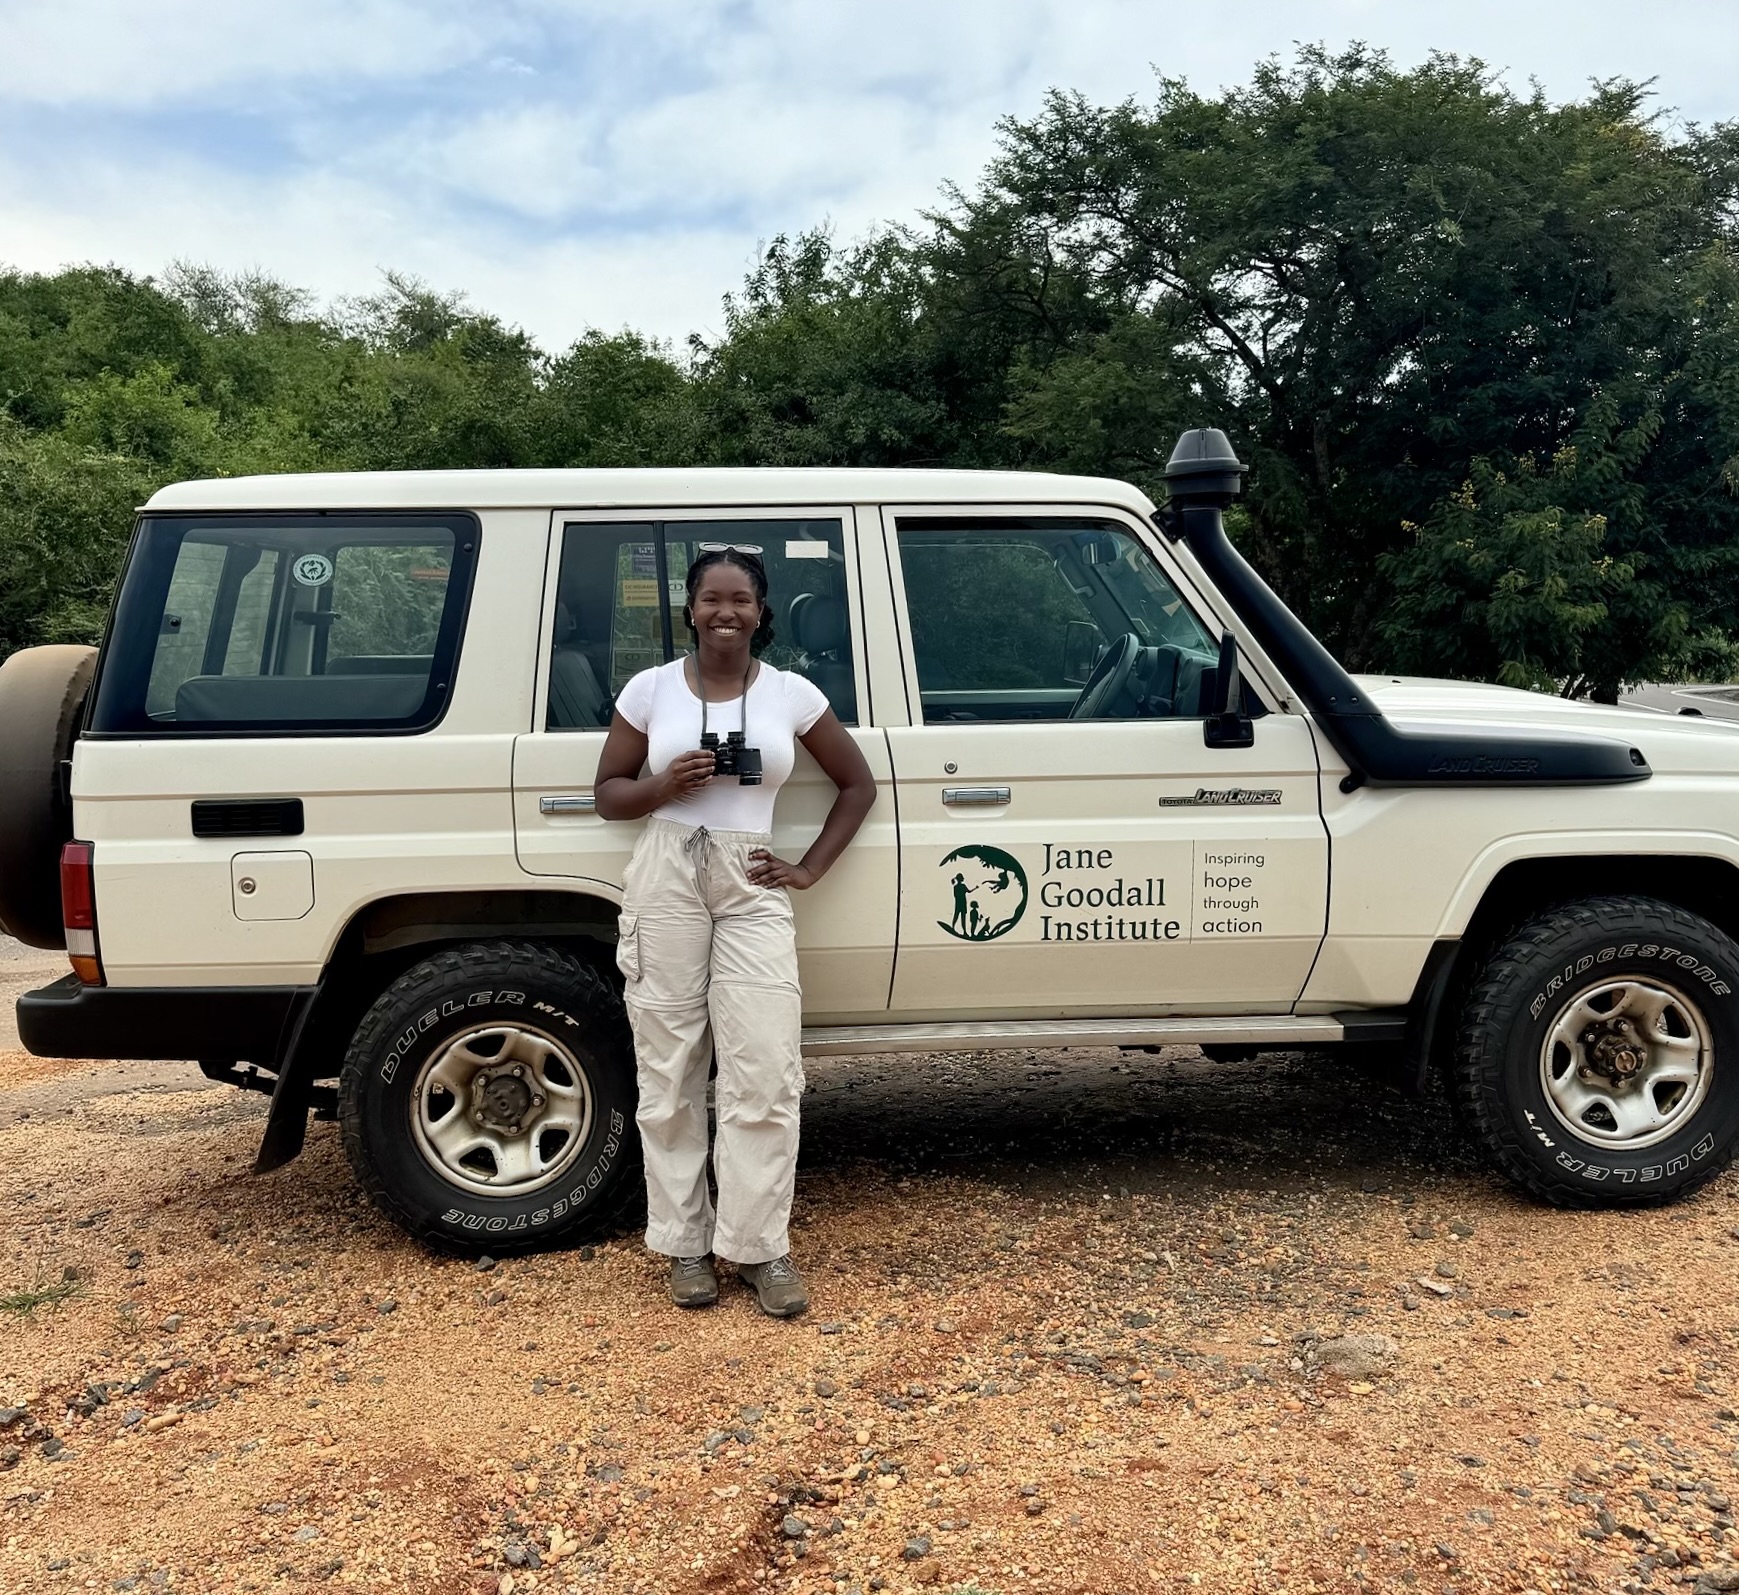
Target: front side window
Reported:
[(620, 592), (1035, 618), (283, 623)]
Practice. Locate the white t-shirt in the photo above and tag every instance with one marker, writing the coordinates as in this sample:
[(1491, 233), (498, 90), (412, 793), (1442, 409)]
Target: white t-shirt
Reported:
[(781, 707)]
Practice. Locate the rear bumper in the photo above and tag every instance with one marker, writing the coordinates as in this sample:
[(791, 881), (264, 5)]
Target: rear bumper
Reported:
[(232, 1024)]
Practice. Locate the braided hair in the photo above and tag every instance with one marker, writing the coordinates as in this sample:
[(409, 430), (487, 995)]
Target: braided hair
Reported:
[(754, 569)]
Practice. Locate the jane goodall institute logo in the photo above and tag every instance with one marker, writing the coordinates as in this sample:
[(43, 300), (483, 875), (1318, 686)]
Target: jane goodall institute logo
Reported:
[(986, 889)]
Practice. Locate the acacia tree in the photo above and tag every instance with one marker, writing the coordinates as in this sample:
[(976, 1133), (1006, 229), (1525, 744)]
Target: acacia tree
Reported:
[(1373, 278)]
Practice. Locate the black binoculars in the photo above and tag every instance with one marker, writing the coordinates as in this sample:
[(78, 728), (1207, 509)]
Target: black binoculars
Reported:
[(733, 758)]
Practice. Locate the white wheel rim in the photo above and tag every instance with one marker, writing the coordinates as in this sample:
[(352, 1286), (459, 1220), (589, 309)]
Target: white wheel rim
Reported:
[(1626, 1063), (502, 1110)]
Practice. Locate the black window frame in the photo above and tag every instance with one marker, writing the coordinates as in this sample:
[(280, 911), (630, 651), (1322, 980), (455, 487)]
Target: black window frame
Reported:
[(117, 708), (981, 518), (663, 529)]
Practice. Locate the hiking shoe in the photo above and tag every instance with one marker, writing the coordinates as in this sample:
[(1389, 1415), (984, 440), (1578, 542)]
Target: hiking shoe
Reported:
[(777, 1285), (693, 1282)]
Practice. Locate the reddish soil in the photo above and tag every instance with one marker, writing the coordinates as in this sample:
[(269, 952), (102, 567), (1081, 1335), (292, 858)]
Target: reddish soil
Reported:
[(1078, 1326)]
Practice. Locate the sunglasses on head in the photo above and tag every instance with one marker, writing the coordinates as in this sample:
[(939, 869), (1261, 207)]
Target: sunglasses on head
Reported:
[(730, 548)]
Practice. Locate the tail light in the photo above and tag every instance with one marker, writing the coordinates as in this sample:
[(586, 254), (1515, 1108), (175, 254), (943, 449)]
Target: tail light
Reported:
[(78, 911)]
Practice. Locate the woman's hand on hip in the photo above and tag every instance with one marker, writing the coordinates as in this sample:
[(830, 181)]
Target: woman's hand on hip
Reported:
[(767, 870)]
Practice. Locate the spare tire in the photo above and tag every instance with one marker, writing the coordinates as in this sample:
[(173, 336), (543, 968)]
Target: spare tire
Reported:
[(42, 701)]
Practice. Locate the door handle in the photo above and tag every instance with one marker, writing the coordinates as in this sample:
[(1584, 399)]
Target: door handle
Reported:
[(571, 803), (974, 796)]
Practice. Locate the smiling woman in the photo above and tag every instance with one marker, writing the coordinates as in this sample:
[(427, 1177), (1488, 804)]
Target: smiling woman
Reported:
[(707, 942)]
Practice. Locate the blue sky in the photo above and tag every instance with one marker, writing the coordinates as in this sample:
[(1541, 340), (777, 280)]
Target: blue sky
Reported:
[(575, 163)]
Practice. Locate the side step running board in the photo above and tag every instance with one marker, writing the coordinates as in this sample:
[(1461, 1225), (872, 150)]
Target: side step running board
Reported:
[(1282, 1030)]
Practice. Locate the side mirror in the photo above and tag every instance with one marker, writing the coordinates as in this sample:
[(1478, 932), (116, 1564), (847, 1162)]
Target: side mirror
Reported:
[(1227, 726)]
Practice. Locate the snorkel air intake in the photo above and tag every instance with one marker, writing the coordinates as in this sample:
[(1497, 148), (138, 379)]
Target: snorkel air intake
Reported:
[(1204, 476)]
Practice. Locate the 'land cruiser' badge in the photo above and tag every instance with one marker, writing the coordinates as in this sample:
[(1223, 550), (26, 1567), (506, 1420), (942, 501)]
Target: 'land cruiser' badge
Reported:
[(1225, 797), (986, 891)]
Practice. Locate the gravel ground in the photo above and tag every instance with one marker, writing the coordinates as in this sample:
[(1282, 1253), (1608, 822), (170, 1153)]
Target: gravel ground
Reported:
[(1082, 1321), (22, 969)]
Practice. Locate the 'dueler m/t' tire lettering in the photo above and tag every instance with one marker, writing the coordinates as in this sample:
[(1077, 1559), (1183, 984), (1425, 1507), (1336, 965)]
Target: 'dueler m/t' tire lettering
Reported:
[(1598, 1058), (487, 1100)]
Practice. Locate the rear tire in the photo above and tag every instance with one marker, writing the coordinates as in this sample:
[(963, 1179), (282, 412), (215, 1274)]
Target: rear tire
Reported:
[(42, 700), (1598, 1062), (487, 1100)]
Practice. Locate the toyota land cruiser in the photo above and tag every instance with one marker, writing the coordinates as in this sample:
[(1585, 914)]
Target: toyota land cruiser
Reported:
[(318, 814)]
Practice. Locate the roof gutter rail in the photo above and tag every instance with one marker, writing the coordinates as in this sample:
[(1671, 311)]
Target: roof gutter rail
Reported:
[(1204, 476)]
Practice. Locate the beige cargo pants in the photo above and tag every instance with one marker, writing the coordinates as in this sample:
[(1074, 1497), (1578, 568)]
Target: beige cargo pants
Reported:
[(711, 964)]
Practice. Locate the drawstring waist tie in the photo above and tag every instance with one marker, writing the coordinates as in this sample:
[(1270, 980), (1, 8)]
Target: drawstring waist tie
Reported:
[(699, 841), (694, 837)]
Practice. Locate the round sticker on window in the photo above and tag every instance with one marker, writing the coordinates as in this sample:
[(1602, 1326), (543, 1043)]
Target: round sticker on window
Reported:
[(313, 570)]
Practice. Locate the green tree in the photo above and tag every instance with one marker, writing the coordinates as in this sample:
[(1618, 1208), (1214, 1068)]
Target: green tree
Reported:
[(616, 400), (843, 357), (432, 386), (66, 512), (1371, 278)]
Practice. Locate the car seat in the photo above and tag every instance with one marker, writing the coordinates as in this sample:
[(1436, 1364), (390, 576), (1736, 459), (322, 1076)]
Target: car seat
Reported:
[(818, 627), (577, 701)]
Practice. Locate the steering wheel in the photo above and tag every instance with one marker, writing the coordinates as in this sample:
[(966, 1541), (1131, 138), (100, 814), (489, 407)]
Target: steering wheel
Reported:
[(1109, 678)]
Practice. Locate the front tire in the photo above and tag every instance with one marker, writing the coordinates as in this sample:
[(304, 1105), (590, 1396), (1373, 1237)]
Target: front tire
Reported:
[(1598, 1062), (487, 1100)]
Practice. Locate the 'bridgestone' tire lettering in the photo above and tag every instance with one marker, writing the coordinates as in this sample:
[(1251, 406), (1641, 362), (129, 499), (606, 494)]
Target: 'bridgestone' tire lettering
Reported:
[(1519, 994), (445, 995)]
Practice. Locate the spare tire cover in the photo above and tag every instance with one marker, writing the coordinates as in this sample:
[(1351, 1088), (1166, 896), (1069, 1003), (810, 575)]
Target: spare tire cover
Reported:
[(42, 698)]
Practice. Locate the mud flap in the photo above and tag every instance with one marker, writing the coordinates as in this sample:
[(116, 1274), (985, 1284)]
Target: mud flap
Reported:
[(1425, 1013), (292, 1097), (287, 1122)]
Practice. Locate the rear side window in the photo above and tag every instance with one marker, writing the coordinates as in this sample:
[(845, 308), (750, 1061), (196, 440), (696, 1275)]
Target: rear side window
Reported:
[(281, 623), (615, 616)]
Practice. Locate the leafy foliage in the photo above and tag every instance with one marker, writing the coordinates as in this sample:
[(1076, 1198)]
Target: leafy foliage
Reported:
[(1481, 350), (65, 515), (1515, 579), (1372, 279)]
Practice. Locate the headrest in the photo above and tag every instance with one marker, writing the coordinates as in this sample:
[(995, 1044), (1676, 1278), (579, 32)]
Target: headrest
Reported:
[(818, 623), (564, 625)]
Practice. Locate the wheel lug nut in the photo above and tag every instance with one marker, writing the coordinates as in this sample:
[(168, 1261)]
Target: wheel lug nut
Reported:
[(517, 1071), (537, 1102)]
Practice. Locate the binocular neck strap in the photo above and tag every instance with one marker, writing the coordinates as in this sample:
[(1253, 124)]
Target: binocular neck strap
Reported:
[(702, 685)]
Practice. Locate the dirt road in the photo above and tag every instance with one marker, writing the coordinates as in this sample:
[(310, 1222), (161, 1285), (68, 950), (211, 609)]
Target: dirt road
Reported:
[(1081, 1324)]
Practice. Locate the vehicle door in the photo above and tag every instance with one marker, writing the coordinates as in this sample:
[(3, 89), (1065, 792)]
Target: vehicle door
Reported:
[(613, 606), (1069, 844)]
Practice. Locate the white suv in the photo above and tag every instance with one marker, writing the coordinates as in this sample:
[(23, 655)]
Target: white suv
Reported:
[(325, 794)]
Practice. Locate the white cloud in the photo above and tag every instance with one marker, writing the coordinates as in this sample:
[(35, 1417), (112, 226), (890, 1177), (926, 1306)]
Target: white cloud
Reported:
[(336, 237), (730, 146), (182, 52), (575, 162)]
